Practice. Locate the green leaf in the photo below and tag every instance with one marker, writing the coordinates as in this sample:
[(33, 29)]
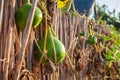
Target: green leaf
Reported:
[(105, 38), (109, 57), (113, 49), (117, 55), (100, 21), (66, 8)]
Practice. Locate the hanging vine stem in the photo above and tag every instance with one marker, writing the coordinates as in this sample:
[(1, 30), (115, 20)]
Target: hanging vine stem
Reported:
[(73, 6), (46, 32), (47, 28), (53, 45), (37, 45), (68, 58), (55, 58), (45, 38)]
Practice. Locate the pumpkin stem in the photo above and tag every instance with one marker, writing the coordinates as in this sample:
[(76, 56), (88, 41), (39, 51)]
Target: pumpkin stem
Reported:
[(26, 1)]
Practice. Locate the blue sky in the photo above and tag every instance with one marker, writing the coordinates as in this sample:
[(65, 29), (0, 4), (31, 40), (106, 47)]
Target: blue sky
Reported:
[(112, 4)]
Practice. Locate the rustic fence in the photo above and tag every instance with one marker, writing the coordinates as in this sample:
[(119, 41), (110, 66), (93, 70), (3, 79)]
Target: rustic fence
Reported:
[(66, 28)]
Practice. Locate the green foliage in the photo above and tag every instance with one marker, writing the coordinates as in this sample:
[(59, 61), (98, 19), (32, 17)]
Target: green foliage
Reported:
[(116, 35), (117, 56), (113, 52), (112, 56), (108, 17), (92, 39), (66, 8), (109, 56), (105, 38)]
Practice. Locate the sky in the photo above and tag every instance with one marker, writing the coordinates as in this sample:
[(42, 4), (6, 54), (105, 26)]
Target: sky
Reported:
[(112, 4)]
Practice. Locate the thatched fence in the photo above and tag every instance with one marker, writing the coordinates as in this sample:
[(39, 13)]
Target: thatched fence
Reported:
[(66, 27)]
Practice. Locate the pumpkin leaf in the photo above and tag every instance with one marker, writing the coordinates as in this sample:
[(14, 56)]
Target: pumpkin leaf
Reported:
[(105, 38), (117, 55), (109, 56)]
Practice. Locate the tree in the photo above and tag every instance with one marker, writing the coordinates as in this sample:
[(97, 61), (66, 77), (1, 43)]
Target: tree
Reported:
[(107, 16), (119, 15)]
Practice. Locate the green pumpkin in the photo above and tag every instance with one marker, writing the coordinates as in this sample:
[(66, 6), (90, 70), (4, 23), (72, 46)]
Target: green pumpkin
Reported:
[(22, 13), (92, 39), (59, 48)]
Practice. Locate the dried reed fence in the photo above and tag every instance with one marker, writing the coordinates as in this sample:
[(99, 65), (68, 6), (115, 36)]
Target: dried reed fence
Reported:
[(74, 67)]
